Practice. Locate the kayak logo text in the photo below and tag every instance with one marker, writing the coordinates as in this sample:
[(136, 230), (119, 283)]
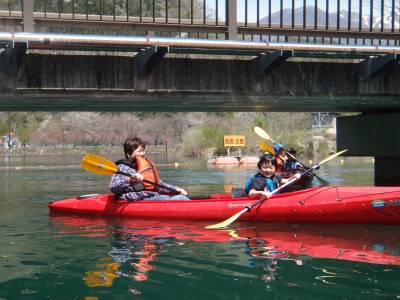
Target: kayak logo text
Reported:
[(394, 202), (378, 203)]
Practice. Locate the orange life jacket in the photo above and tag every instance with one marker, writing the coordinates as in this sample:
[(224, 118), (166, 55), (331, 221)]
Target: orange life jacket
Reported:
[(149, 172), (280, 163)]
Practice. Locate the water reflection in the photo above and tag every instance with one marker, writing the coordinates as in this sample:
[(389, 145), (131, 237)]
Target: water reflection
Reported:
[(105, 275), (140, 248)]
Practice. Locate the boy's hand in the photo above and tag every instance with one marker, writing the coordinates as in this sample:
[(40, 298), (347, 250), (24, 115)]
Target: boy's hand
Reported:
[(266, 194)]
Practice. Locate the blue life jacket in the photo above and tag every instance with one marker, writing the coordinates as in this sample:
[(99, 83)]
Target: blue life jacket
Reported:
[(290, 165), (271, 184)]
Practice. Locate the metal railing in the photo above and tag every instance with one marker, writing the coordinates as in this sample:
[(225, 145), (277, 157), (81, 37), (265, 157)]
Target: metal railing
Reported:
[(344, 22)]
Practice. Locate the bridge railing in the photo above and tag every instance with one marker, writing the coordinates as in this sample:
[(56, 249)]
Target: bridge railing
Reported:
[(355, 22)]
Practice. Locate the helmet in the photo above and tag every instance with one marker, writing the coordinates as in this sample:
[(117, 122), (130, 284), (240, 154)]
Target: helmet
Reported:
[(278, 146)]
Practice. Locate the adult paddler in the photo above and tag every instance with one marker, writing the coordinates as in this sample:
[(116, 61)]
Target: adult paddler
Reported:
[(133, 187)]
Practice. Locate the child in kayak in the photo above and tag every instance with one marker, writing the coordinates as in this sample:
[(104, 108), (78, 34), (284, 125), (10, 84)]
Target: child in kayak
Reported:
[(280, 156), (265, 181), (291, 163), (143, 172)]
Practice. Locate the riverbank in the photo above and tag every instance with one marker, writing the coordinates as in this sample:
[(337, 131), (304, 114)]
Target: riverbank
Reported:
[(71, 149), (319, 146), (232, 160)]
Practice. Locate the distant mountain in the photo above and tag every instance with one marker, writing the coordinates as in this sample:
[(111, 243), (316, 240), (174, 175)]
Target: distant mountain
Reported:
[(332, 17)]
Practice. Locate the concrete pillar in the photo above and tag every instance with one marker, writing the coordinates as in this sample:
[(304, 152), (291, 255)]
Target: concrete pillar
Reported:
[(387, 171), (28, 23), (373, 134), (231, 17)]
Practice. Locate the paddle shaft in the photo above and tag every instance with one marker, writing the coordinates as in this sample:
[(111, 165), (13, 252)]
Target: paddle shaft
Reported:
[(323, 181), (168, 188), (152, 183)]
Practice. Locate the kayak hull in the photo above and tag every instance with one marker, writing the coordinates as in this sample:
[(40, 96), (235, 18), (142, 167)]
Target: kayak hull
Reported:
[(335, 205)]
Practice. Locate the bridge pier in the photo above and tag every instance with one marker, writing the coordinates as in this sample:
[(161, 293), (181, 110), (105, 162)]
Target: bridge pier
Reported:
[(373, 135), (387, 171)]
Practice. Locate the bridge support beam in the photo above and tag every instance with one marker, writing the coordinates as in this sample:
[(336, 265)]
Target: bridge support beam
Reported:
[(12, 56), (146, 60), (373, 135), (10, 63), (144, 63), (373, 66), (266, 63)]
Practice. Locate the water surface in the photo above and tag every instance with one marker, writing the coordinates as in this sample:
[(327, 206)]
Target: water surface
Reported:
[(47, 256)]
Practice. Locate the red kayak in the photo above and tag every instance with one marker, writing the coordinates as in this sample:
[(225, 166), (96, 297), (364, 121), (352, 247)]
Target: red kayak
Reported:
[(331, 204)]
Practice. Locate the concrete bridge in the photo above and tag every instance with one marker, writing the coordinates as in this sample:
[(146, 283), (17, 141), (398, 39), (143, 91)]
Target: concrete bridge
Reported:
[(65, 72)]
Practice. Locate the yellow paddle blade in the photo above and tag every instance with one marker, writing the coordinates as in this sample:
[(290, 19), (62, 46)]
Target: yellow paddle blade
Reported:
[(332, 156), (265, 147), (98, 165), (261, 133), (234, 234), (226, 222)]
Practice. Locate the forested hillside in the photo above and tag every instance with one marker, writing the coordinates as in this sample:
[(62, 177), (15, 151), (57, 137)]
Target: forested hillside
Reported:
[(193, 134)]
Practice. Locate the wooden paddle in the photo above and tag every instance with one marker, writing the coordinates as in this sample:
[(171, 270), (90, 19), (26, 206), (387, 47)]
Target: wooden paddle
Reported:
[(265, 135), (248, 208), (100, 165)]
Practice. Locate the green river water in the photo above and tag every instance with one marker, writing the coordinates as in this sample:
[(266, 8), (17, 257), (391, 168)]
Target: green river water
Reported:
[(63, 257)]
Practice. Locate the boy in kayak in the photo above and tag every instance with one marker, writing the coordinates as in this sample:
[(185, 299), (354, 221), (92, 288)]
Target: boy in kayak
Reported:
[(143, 173), (265, 181), (291, 163)]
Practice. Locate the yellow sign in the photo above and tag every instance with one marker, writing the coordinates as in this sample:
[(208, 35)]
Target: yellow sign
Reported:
[(234, 140)]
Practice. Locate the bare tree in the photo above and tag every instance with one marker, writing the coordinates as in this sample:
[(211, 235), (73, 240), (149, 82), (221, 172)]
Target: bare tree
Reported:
[(86, 124)]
